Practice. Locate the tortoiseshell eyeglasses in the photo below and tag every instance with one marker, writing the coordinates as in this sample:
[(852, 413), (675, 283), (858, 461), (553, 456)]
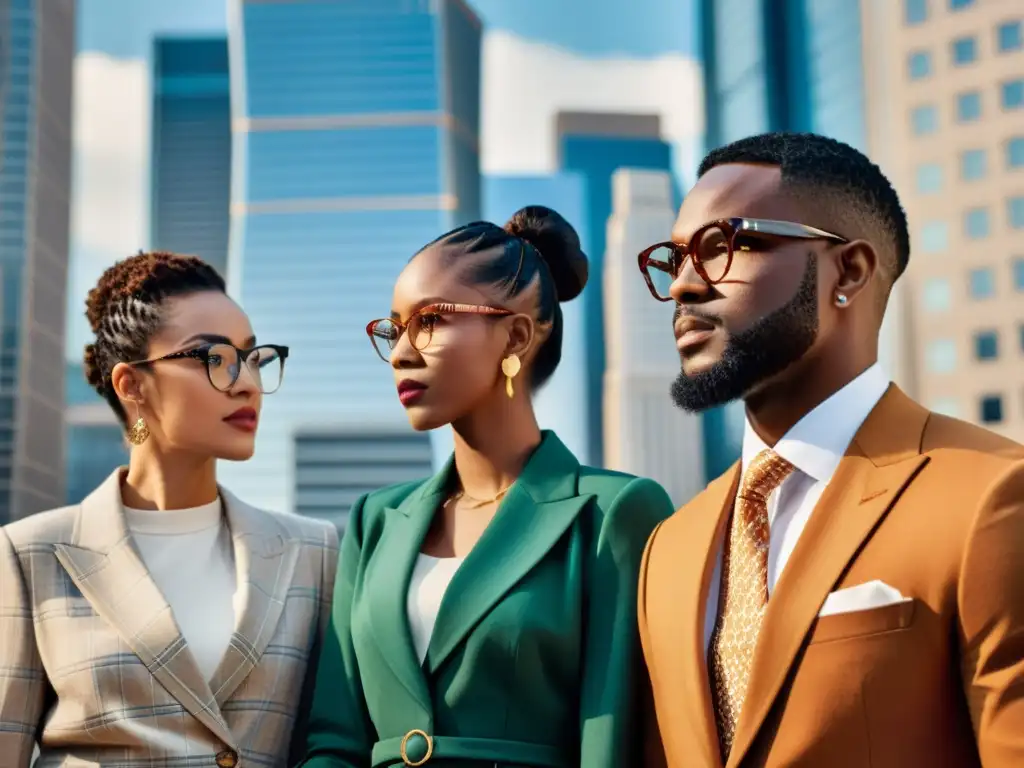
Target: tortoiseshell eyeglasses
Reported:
[(713, 247), (385, 333)]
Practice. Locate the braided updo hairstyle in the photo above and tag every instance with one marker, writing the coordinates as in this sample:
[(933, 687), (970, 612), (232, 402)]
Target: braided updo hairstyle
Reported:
[(125, 311)]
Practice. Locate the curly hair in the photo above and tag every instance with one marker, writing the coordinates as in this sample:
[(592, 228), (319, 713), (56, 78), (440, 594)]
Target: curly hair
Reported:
[(835, 178), (124, 310)]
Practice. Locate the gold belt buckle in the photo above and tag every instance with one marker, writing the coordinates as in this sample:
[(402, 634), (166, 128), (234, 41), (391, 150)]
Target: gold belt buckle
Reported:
[(405, 743)]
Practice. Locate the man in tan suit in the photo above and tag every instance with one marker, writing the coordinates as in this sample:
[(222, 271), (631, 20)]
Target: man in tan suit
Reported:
[(851, 592)]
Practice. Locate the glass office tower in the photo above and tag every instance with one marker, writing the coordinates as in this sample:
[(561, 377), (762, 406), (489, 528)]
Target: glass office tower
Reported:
[(37, 45), (777, 65), (191, 160), (355, 142), (95, 439)]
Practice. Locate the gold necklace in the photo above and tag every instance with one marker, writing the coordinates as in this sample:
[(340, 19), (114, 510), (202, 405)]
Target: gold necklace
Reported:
[(476, 502)]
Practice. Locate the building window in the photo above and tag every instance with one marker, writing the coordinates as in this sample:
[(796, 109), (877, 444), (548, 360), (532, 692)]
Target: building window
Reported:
[(947, 406), (1009, 36), (1015, 152), (929, 178), (934, 237), (959, 5), (968, 106), (981, 283), (976, 224), (919, 65), (1018, 273), (1013, 94), (990, 409), (940, 356), (937, 295), (925, 120), (915, 11), (964, 50), (1015, 212), (973, 164), (986, 345)]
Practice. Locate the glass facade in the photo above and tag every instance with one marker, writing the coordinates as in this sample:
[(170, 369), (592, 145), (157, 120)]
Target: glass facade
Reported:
[(36, 52), (590, 148), (356, 127), (95, 441), (191, 160), (773, 65)]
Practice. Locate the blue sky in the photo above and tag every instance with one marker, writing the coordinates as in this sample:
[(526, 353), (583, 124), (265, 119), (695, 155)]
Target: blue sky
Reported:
[(125, 28)]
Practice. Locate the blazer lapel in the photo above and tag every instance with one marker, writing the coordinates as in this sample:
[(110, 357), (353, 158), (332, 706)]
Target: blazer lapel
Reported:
[(882, 460), (265, 565), (387, 585), (537, 511), (106, 567), (679, 591)]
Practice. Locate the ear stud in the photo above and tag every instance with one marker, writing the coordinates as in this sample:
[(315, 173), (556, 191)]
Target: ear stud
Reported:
[(841, 299)]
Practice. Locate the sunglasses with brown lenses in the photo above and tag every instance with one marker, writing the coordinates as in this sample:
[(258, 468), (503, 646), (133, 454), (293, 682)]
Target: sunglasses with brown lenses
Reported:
[(712, 248), (385, 333)]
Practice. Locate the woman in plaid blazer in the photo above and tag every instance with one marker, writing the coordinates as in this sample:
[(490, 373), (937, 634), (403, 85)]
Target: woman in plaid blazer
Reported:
[(162, 621)]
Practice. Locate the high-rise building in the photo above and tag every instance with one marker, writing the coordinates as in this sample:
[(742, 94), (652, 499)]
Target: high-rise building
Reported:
[(355, 143), (797, 65), (95, 440), (644, 434), (595, 145), (945, 88), (334, 467), (561, 403), (37, 45), (191, 149)]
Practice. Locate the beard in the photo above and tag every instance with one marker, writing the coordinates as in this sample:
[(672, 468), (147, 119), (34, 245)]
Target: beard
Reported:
[(764, 350)]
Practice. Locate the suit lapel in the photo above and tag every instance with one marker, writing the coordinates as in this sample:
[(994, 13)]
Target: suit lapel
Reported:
[(537, 511), (387, 585), (679, 587), (106, 567), (265, 565), (882, 460)]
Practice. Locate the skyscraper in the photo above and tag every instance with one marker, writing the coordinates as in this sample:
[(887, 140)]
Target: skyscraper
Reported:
[(644, 434), (37, 45), (797, 65), (191, 150), (95, 440), (595, 145), (946, 107), (355, 142)]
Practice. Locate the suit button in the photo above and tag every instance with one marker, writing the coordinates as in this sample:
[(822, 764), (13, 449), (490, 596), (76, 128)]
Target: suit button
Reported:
[(227, 759)]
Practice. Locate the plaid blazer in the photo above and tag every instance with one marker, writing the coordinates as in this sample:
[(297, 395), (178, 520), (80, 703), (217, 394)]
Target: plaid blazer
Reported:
[(94, 668)]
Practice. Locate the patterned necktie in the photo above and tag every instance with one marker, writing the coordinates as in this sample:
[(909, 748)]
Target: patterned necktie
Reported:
[(744, 591)]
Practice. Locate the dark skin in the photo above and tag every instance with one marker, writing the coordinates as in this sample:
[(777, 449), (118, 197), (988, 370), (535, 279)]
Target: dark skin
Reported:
[(766, 278), (494, 436)]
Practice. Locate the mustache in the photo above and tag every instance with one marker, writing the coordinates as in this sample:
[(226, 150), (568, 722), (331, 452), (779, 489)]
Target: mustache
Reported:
[(684, 311)]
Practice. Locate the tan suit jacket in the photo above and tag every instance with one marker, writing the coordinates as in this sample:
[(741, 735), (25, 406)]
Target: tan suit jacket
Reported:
[(93, 665), (929, 505)]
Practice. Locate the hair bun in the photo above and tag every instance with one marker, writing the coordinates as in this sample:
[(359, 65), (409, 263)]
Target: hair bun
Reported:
[(557, 243)]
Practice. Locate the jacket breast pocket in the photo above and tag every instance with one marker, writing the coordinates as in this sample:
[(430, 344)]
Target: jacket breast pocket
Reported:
[(871, 621)]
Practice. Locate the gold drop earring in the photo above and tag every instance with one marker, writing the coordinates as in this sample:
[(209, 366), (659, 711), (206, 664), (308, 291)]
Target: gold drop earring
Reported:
[(510, 367), (138, 433)]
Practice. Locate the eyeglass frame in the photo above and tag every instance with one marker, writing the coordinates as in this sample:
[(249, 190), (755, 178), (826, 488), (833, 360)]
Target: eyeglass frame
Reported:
[(438, 308), (731, 227), (202, 353)]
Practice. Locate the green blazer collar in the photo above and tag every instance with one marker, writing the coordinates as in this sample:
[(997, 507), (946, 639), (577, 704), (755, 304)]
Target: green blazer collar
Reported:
[(533, 516)]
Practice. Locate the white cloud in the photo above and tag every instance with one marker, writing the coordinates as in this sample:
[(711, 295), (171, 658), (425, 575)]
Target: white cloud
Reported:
[(527, 83), (110, 187)]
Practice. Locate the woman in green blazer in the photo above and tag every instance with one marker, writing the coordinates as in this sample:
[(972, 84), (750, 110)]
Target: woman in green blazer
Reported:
[(486, 616)]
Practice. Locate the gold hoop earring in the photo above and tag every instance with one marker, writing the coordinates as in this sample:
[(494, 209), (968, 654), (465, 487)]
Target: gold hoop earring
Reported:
[(510, 367), (138, 433)]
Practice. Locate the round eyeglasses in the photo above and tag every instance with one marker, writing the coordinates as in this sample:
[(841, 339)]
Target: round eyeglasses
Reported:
[(385, 333), (224, 363), (713, 248)]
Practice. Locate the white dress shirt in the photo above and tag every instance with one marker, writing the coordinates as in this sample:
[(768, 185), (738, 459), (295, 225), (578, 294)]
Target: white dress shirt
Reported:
[(814, 446), (430, 579)]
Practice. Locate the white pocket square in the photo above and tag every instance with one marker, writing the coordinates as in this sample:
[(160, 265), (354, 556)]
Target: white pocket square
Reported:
[(863, 597)]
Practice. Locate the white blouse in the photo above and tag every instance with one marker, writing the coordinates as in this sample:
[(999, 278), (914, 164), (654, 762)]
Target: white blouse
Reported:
[(430, 579)]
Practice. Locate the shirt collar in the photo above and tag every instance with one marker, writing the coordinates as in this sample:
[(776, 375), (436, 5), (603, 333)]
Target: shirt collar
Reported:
[(816, 444)]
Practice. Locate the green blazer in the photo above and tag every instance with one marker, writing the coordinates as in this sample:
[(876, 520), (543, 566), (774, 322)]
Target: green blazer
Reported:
[(534, 658)]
